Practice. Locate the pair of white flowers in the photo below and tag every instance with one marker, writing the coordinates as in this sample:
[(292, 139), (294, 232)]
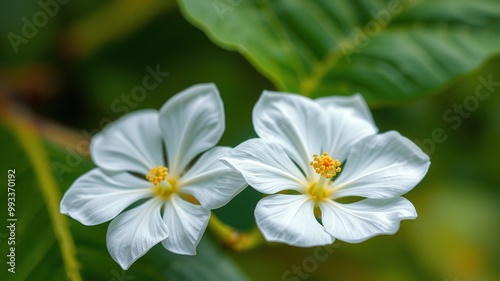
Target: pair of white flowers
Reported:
[(153, 187)]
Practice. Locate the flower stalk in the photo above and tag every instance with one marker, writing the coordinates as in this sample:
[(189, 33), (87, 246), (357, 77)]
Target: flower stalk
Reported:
[(234, 239)]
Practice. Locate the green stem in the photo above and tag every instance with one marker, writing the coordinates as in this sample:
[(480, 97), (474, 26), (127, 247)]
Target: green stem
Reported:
[(230, 237)]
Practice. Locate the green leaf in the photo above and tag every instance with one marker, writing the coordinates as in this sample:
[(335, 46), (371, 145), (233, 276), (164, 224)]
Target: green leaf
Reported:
[(390, 51), (51, 246)]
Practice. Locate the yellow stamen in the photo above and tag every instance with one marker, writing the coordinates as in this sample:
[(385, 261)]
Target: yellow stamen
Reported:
[(325, 165), (156, 175)]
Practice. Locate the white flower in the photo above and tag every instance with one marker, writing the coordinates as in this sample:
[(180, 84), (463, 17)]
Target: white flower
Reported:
[(146, 158), (298, 160)]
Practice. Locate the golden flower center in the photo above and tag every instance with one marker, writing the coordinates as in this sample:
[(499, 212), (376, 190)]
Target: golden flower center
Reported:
[(163, 187), (317, 191), (325, 165)]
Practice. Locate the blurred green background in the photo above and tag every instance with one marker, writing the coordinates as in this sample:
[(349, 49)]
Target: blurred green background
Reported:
[(419, 64)]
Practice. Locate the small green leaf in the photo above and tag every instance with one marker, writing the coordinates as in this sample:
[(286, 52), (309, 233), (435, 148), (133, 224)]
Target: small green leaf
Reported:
[(390, 51)]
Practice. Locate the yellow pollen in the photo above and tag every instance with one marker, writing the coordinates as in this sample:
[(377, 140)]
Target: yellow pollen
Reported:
[(158, 174), (325, 165)]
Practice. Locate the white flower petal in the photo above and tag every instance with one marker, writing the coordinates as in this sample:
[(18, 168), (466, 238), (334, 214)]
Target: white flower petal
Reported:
[(265, 166), (355, 105), (349, 120), (290, 219), (364, 219), (192, 121), (211, 182), (187, 223), (134, 232), (381, 166), (295, 121), (97, 197), (132, 143)]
